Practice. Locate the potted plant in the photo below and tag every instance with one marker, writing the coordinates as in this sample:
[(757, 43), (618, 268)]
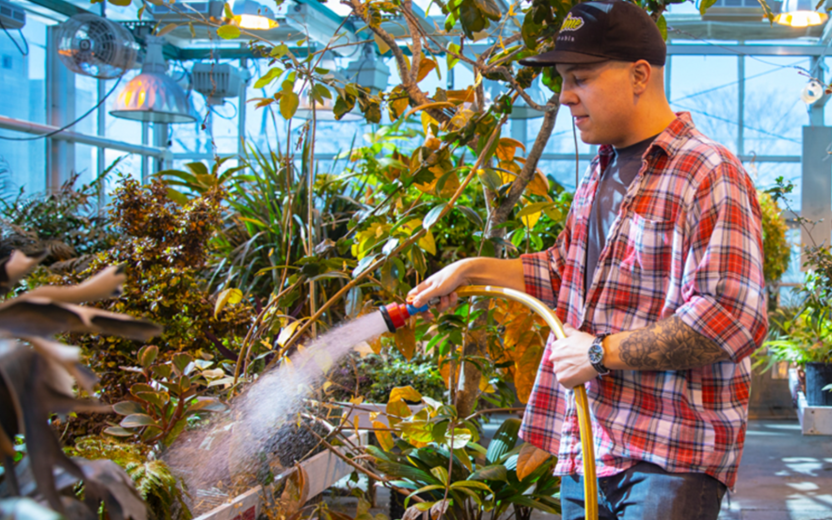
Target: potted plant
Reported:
[(806, 337)]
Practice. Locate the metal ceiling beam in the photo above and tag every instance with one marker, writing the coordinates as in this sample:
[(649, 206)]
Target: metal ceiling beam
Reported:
[(678, 49), (60, 6)]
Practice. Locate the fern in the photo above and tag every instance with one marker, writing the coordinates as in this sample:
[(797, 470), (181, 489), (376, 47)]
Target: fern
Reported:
[(153, 479)]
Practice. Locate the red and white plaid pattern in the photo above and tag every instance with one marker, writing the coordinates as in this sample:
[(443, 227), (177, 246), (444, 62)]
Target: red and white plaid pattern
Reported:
[(687, 241)]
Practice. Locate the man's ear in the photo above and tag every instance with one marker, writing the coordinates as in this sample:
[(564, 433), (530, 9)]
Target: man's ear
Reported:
[(641, 72)]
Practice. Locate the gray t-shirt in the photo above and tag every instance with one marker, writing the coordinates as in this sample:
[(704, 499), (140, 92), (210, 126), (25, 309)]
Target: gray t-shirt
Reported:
[(615, 180)]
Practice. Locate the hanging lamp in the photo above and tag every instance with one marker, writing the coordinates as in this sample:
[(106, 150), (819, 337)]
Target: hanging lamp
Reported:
[(800, 13), (251, 15), (153, 96)]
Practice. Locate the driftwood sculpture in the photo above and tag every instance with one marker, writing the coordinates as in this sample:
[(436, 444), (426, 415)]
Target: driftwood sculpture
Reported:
[(37, 377)]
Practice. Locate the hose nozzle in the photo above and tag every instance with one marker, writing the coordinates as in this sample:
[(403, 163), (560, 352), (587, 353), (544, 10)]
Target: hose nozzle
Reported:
[(396, 314)]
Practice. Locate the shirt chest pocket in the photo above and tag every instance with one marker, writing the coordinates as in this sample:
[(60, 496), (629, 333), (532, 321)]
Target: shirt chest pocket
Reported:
[(646, 248)]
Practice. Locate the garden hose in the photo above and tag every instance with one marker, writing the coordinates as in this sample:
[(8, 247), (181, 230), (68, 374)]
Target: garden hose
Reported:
[(395, 315)]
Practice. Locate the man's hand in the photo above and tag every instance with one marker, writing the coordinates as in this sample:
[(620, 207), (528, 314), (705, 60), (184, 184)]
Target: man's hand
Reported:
[(442, 285), (571, 359)]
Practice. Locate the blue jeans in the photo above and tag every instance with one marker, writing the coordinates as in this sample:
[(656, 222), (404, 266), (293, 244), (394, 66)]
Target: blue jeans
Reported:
[(646, 491)]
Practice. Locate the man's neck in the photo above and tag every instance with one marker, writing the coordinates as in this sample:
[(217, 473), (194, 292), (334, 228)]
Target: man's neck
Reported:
[(649, 121)]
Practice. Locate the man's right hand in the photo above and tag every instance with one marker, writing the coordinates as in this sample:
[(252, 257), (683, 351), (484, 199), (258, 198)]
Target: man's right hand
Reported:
[(471, 271), (441, 285)]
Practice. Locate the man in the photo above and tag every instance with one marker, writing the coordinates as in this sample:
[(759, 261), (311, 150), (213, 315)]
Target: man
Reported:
[(657, 278)]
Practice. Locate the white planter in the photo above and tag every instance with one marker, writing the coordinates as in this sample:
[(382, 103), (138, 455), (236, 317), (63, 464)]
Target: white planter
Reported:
[(322, 470)]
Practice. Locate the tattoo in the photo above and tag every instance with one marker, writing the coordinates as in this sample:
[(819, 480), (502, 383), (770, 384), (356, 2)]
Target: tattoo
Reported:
[(669, 344)]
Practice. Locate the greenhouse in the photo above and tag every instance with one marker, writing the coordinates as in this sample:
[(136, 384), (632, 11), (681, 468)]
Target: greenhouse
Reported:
[(415, 259)]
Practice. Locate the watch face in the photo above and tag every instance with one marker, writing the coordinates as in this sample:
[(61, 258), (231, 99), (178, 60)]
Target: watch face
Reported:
[(596, 353)]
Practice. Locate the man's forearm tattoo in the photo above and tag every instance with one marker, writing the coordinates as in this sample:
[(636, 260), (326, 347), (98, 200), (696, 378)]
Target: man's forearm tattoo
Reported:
[(669, 344)]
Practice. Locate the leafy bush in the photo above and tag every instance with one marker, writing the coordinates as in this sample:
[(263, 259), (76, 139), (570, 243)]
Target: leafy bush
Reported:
[(158, 487), (776, 249), (164, 248), (67, 223), (377, 376)]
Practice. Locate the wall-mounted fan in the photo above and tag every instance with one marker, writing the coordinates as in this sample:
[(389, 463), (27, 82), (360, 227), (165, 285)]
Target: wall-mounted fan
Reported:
[(95, 46)]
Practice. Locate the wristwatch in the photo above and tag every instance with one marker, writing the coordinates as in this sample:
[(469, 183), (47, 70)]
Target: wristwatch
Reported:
[(596, 355)]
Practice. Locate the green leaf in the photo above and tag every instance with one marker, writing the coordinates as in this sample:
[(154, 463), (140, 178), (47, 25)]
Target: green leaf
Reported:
[(493, 472), (289, 102), (661, 23), (440, 473), (181, 361), (533, 208), (449, 58), (268, 77), (460, 438), (433, 215), (118, 431), (147, 355), (704, 5), (228, 32), (472, 215), (127, 408), (504, 440), (137, 420), (159, 399), (472, 484)]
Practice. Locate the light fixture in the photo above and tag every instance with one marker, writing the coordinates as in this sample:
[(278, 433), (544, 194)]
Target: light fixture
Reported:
[(812, 92), (249, 14), (800, 13), (153, 96), (369, 70)]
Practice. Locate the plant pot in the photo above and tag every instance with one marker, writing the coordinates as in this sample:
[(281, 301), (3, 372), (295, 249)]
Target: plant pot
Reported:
[(818, 375), (322, 471)]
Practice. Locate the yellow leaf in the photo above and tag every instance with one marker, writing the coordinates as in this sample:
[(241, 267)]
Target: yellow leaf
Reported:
[(531, 219), (428, 243), (427, 121), (404, 393), (227, 297), (287, 332), (429, 106), (382, 46), (529, 459), (406, 340), (383, 435), (327, 384), (485, 385), (364, 349), (357, 399), (396, 411), (525, 371), (445, 371), (425, 66)]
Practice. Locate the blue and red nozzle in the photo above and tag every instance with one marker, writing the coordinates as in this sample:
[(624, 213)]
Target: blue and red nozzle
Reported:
[(396, 314)]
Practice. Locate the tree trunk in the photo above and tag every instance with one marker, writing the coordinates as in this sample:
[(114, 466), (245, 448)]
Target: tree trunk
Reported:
[(477, 340)]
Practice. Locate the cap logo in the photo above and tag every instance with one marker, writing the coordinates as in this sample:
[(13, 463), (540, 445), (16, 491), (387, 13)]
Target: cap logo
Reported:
[(572, 23)]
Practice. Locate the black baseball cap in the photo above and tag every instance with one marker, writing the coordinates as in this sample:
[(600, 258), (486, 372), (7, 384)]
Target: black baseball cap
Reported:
[(604, 30)]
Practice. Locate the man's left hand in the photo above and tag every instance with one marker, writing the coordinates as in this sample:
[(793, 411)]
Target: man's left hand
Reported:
[(571, 359)]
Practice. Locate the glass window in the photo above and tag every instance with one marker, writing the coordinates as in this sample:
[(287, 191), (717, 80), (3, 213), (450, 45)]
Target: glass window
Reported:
[(22, 73), (774, 113)]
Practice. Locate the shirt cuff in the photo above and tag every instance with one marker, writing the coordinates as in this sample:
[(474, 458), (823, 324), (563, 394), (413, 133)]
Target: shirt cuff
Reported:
[(707, 317), (538, 277)]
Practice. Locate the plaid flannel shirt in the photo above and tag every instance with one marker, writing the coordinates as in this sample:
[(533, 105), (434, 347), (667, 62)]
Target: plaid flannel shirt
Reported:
[(687, 241)]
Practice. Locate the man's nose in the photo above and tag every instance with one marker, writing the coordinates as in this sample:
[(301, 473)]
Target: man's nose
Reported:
[(567, 97)]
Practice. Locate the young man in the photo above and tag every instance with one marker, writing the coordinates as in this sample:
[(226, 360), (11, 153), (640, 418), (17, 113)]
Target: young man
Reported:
[(657, 278)]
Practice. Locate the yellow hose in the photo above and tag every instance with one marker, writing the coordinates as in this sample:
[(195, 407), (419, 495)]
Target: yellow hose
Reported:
[(587, 442)]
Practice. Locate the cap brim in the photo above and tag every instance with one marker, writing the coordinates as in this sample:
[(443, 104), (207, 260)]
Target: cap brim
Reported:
[(555, 57)]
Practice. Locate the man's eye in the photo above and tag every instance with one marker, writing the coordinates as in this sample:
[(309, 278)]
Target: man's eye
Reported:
[(579, 80)]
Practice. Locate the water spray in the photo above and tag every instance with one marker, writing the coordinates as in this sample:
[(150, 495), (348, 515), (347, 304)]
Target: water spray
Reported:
[(396, 314)]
